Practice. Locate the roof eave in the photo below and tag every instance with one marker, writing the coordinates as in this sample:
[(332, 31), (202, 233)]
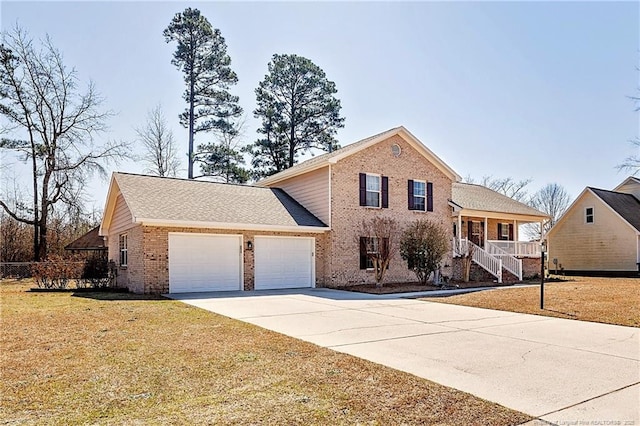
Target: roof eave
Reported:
[(503, 215), (230, 225), (292, 172)]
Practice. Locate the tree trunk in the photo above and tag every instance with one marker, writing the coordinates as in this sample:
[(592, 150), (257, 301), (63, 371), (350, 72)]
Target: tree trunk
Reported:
[(191, 100)]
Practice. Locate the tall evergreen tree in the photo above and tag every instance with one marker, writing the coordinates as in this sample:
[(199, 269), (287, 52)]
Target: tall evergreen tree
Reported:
[(201, 54), (299, 111)]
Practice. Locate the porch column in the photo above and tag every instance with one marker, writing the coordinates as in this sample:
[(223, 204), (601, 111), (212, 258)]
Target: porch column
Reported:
[(459, 229), (485, 231), (542, 233)]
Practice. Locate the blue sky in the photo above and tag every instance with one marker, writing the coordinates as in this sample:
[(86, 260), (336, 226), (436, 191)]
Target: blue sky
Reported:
[(530, 90)]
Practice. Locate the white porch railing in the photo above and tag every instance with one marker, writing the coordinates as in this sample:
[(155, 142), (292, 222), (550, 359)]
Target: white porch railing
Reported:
[(518, 248), (509, 262), (488, 262)]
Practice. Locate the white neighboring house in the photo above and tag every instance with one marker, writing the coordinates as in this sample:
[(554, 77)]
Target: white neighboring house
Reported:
[(600, 233)]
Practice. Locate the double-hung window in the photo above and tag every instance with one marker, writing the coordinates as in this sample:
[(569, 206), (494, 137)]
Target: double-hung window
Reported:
[(373, 189), (123, 250), (588, 215), (420, 195)]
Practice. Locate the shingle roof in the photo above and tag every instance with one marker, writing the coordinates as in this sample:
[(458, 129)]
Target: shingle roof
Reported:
[(478, 197), (171, 199), (626, 205), (89, 241), (324, 159)]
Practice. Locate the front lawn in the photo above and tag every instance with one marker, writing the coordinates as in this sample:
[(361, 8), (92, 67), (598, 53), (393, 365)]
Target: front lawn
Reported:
[(113, 358), (607, 300)]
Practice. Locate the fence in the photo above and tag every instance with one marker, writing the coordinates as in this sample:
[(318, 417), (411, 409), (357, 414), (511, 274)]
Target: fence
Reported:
[(16, 269), (60, 273)]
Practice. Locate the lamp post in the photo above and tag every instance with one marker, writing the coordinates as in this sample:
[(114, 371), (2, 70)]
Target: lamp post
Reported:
[(543, 249)]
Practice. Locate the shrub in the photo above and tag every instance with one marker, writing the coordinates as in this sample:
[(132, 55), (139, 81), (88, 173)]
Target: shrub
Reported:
[(56, 272), (423, 245)]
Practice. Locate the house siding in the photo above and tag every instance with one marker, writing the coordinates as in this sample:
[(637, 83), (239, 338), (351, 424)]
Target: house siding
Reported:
[(607, 244), (631, 187), (150, 272), (122, 222), (312, 191), (347, 215)]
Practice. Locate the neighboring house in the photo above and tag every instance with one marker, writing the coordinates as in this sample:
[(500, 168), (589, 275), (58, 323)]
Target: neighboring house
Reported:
[(600, 233), (90, 244), (491, 221), (297, 228)]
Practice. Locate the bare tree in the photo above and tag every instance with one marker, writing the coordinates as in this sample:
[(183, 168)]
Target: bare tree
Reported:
[(379, 239), (52, 126), (553, 200), (632, 162), (160, 151), (508, 186)]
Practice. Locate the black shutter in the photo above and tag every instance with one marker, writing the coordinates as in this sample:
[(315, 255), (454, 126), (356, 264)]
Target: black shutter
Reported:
[(363, 189), (363, 252), (469, 229), (511, 232), (500, 231), (385, 192), (410, 197), (429, 196)]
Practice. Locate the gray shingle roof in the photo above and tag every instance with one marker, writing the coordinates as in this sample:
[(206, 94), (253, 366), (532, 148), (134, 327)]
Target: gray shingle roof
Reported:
[(478, 197), (89, 241), (626, 205), (171, 199)]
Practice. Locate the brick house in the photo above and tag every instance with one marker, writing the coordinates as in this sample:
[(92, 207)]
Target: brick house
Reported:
[(297, 228)]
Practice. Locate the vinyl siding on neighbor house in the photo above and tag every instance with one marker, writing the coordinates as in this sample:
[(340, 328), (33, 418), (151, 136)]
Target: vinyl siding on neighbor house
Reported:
[(630, 187), (607, 244), (312, 191)]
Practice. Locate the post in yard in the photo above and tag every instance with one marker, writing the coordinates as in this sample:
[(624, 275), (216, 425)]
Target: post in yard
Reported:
[(542, 250)]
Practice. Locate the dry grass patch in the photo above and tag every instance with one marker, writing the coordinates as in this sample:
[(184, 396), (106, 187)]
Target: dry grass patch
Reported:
[(607, 300), (103, 358)]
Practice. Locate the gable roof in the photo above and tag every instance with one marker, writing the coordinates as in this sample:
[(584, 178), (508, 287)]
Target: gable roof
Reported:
[(89, 241), (627, 181), (335, 156), (163, 201), (470, 196), (626, 205)]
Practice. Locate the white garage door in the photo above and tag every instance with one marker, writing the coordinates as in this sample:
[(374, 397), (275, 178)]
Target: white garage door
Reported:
[(204, 262), (282, 262)]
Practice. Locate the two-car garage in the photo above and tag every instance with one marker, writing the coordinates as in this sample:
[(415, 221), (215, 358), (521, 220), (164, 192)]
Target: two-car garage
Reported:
[(216, 262)]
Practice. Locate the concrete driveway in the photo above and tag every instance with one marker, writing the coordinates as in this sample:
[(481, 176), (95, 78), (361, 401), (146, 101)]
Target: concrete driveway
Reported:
[(561, 371)]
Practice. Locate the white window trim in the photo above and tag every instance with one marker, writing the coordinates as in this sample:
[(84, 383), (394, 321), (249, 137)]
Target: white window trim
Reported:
[(593, 215), (123, 249), (372, 242), (420, 196), (505, 226), (379, 191)]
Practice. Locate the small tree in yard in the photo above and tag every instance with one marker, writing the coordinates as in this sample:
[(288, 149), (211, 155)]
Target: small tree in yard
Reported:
[(378, 238), (423, 245)]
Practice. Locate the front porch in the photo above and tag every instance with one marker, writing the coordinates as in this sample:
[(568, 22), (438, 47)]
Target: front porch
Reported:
[(496, 235)]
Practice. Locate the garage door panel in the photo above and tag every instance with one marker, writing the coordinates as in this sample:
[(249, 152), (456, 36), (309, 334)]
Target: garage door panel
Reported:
[(204, 262), (282, 262)]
